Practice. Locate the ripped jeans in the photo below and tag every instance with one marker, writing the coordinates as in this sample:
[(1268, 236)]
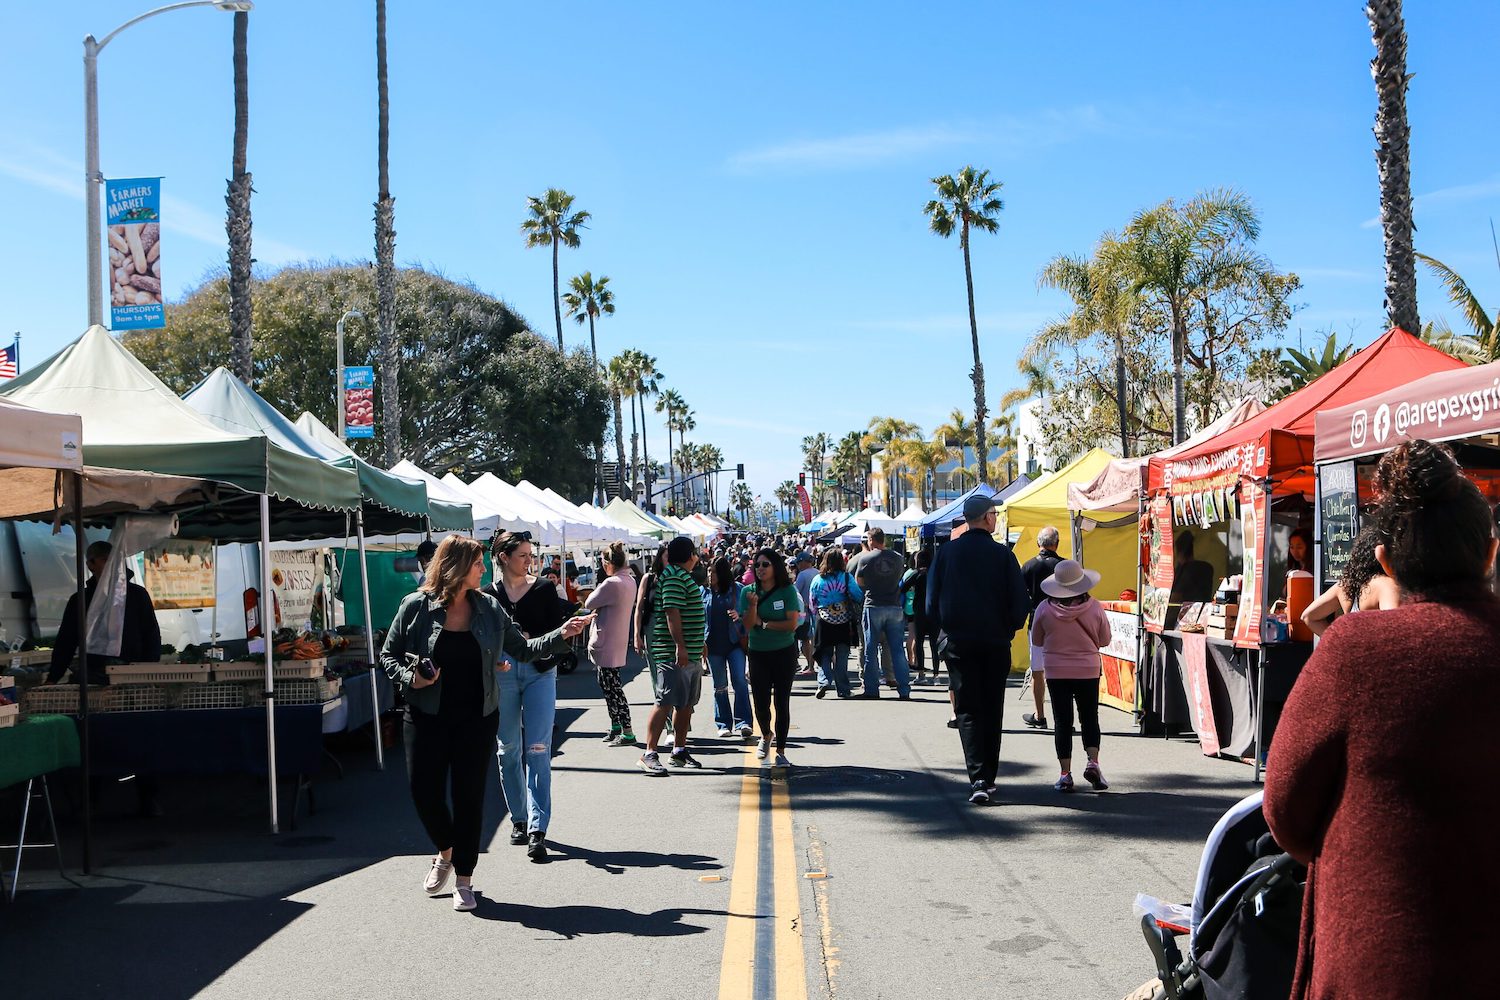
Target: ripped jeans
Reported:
[(528, 706), (729, 678)]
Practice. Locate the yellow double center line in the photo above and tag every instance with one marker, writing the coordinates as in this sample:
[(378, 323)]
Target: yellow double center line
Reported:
[(763, 956)]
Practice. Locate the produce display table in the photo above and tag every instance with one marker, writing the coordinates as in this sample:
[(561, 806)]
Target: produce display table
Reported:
[(206, 741), (357, 698), (37, 745)]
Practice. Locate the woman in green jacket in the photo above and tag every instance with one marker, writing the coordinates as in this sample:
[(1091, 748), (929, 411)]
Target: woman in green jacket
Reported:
[(443, 650)]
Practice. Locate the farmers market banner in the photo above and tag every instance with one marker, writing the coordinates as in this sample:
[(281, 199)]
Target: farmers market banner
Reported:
[(133, 212), (179, 573), (359, 402)]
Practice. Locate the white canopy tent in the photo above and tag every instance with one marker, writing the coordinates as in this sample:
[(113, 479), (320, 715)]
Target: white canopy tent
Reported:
[(488, 520)]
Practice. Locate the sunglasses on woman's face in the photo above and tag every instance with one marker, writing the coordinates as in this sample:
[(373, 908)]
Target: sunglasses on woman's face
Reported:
[(763, 565)]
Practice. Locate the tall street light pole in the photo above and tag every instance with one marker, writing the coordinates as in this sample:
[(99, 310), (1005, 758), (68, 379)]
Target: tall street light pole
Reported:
[(338, 367), (91, 176)]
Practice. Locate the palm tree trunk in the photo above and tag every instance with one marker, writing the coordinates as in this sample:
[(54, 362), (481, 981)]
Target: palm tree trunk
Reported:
[(620, 474), (1179, 398), (981, 446), (1120, 395), (241, 325), (556, 293), (645, 448), (634, 454), (385, 262), (1393, 161)]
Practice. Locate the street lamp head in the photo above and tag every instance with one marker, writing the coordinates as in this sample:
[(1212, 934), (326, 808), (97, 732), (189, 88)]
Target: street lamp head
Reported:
[(235, 6)]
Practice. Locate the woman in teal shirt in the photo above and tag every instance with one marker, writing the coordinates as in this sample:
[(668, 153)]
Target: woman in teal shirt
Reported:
[(770, 609)]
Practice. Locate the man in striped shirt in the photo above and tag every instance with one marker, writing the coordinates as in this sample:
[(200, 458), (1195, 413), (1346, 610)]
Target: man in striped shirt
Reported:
[(677, 650)]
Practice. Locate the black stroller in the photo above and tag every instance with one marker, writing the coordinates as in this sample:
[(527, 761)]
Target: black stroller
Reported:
[(1245, 918)]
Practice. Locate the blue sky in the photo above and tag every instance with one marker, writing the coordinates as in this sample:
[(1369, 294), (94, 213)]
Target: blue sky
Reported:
[(756, 172)]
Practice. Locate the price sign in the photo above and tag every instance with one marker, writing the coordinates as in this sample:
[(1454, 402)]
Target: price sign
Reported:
[(359, 402), (1339, 501)]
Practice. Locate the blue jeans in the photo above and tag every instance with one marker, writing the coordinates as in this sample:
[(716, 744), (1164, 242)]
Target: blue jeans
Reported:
[(528, 705), (890, 623), (729, 672), (833, 668)]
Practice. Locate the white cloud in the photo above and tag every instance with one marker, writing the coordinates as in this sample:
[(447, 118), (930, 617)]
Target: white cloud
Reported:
[(1454, 195), (1007, 136)]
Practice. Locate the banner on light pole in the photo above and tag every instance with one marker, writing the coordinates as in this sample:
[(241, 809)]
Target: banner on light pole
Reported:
[(359, 401), (132, 210)]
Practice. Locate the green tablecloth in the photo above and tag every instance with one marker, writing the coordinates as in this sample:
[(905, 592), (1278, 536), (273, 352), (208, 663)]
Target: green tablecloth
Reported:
[(37, 745)]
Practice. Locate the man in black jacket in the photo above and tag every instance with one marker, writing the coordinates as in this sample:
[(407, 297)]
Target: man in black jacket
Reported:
[(140, 638), (976, 596), (1034, 573)]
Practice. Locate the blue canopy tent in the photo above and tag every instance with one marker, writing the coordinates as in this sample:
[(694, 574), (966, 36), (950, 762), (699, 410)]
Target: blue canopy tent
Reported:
[(939, 524)]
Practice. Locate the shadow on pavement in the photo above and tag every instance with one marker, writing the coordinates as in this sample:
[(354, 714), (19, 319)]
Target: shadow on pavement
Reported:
[(576, 921), (617, 862)]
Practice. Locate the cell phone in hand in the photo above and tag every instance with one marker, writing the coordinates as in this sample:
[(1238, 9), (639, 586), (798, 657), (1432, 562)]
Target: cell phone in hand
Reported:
[(582, 613), (421, 665)]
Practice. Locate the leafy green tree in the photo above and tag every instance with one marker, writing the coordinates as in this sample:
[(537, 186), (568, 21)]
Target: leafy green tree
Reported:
[(553, 223), (238, 199), (957, 435), (786, 496), (1393, 160), (485, 394), (966, 202)]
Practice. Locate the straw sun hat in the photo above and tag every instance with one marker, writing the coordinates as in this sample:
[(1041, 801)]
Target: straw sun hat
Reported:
[(1069, 579)]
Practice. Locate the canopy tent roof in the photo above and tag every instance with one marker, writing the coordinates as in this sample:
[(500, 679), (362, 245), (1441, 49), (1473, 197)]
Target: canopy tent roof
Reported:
[(1444, 406), (1046, 497), (1278, 441), (939, 524), (913, 514), (869, 518), (622, 532), (522, 513), (579, 524), (488, 520), (1117, 489), (387, 489), (628, 515), (39, 439)]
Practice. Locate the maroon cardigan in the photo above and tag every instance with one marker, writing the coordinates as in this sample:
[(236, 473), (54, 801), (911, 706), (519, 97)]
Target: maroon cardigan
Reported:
[(1383, 777)]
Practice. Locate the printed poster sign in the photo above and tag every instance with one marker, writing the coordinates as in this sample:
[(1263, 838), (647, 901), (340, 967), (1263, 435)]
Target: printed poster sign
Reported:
[(1195, 671), (179, 573), (1156, 548), (1253, 513), (295, 577), (132, 210), (1117, 661), (359, 402)]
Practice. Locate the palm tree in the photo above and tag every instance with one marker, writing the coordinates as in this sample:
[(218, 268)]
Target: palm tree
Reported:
[(1481, 322), (1175, 252), (682, 423), (553, 223), (385, 260), (814, 457), (786, 495), (710, 459), (621, 383), (238, 220), (588, 299), (927, 456), (741, 499), (670, 403), (1004, 427), (647, 384), (1393, 160), (849, 460), (883, 431), (968, 201), (957, 434)]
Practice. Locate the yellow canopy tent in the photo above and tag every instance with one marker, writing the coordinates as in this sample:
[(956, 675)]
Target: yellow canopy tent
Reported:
[(1044, 503)]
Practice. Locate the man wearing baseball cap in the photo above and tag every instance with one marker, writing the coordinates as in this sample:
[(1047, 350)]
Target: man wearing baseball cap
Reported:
[(677, 640), (976, 596)]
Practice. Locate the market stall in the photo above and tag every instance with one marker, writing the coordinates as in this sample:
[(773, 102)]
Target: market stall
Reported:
[(1226, 511), (938, 526)]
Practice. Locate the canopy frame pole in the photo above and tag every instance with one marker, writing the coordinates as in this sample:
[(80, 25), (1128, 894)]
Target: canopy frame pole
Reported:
[(81, 671), (364, 586), (267, 628)]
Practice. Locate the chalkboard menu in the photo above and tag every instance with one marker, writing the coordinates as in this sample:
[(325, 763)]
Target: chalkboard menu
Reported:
[(1340, 517)]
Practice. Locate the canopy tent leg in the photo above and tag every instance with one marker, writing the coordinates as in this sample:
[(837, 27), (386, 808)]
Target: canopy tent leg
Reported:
[(364, 586), (267, 627), (81, 673)]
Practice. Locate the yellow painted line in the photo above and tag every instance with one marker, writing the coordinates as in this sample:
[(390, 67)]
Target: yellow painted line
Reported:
[(737, 968), (791, 970)]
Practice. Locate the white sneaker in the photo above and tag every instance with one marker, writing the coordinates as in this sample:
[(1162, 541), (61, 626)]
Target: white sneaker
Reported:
[(437, 878), (763, 749), (463, 897)]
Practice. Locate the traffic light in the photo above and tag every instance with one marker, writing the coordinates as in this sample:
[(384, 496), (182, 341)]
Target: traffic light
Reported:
[(802, 479), (739, 471)]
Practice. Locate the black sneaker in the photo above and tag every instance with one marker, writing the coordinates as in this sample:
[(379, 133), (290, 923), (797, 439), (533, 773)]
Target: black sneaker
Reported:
[(518, 834), (1034, 721), (536, 846), (821, 692), (952, 723), (978, 794), (681, 758)]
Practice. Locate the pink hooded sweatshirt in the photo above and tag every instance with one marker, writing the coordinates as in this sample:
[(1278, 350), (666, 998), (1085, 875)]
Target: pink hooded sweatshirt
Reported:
[(1072, 635)]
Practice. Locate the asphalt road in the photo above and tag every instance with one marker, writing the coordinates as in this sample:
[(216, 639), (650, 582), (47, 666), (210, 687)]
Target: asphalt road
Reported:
[(690, 886)]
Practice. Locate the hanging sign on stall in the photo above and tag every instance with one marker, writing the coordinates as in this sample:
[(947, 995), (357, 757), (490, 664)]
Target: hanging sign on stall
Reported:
[(132, 211), (1195, 672), (1339, 508), (179, 573), (1156, 545), (1117, 659), (1253, 526), (359, 401), (295, 577)]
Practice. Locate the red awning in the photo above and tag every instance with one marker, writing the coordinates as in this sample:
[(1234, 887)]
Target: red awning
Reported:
[(1278, 441), (1441, 407)]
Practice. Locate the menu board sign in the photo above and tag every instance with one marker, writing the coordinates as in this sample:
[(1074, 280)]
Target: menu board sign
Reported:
[(1339, 503)]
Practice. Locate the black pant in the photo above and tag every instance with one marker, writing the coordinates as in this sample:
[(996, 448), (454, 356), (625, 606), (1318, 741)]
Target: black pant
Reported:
[(920, 630), (442, 751), (771, 673), (1065, 694), (977, 673)]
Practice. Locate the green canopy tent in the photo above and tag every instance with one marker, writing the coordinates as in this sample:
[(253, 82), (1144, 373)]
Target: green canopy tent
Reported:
[(133, 421), (628, 515)]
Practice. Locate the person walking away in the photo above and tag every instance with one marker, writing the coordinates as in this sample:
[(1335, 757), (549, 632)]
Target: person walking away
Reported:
[(803, 581), (528, 694), (1069, 626), (977, 597), (878, 573), (1037, 569), (444, 651), (1376, 776), (677, 651), (770, 611), (613, 601), (645, 611), (834, 598), (726, 653)]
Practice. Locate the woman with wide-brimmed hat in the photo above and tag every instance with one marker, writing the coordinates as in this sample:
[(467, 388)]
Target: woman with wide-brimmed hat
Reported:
[(1070, 626)]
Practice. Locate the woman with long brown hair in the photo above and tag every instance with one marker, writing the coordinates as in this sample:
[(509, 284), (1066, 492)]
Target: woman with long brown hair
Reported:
[(444, 649), (770, 610)]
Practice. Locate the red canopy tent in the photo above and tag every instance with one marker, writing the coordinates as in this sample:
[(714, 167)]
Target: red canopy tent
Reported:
[(1235, 473)]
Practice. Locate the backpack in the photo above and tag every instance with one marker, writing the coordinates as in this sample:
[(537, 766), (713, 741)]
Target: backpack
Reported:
[(836, 614)]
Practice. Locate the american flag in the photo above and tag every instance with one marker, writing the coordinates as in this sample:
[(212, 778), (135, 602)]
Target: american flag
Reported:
[(10, 360)]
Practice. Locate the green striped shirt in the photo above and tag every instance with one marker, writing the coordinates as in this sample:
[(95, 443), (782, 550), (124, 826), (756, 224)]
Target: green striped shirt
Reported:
[(676, 588)]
